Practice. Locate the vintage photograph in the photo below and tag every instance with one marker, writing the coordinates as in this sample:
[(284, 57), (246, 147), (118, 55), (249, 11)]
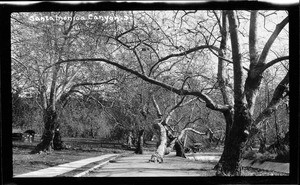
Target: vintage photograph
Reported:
[(150, 93)]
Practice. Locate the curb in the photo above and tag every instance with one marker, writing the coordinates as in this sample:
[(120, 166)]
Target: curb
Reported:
[(205, 157), (94, 167)]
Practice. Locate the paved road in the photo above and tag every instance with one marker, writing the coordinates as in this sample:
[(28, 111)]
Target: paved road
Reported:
[(139, 166)]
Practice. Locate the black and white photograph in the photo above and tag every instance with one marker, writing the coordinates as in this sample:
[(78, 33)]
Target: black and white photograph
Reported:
[(147, 93)]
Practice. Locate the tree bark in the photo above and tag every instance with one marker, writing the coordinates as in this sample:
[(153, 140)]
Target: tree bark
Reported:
[(258, 62), (57, 142), (179, 146), (279, 94), (225, 90), (234, 142), (253, 81), (162, 133), (165, 132), (51, 138), (160, 152), (139, 148), (179, 149), (229, 162), (262, 144)]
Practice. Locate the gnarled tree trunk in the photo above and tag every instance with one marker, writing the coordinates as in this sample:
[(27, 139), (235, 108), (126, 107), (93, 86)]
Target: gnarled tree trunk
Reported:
[(176, 144), (229, 165), (237, 134), (164, 131), (51, 138), (139, 148), (179, 149), (245, 93), (160, 152)]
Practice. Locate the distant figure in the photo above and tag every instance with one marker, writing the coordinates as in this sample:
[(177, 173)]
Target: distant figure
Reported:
[(29, 135)]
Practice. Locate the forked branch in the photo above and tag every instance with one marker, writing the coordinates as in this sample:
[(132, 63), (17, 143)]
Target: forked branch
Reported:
[(209, 102)]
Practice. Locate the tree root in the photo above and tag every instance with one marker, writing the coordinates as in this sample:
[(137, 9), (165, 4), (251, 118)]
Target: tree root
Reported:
[(225, 170), (156, 158)]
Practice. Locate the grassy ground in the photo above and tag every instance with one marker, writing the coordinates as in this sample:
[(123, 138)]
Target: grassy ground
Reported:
[(24, 162), (247, 171)]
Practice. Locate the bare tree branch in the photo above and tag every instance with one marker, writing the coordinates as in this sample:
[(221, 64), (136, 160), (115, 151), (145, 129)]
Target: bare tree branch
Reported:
[(139, 61), (166, 70), (125, 32), (218, 19), (148, 45), (209, 102), (193, 121), (271, 40), (253, 37), (176, 106), (184, 81), (278, 96), (227, 97), (182, 54), (257, 63), (66, 84), (271, 63), (19, 62), (189, 129), (158, 111), (53, 85), (237, 63), (72, 89)]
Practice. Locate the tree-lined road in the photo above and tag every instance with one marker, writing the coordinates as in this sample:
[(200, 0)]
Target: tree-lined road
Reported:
[(157, 73), (134, 165)]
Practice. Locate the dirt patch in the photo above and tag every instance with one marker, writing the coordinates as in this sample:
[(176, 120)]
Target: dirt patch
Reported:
[(248, 171)]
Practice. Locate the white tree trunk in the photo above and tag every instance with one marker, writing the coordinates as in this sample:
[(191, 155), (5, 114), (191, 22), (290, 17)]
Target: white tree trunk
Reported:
[(160, 152)]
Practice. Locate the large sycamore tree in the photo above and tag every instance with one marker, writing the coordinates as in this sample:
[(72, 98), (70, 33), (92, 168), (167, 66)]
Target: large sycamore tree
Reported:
[(239, 118), (38, 44)]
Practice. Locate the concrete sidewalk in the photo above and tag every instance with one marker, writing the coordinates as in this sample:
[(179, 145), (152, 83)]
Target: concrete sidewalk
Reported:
[(64, 168)]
